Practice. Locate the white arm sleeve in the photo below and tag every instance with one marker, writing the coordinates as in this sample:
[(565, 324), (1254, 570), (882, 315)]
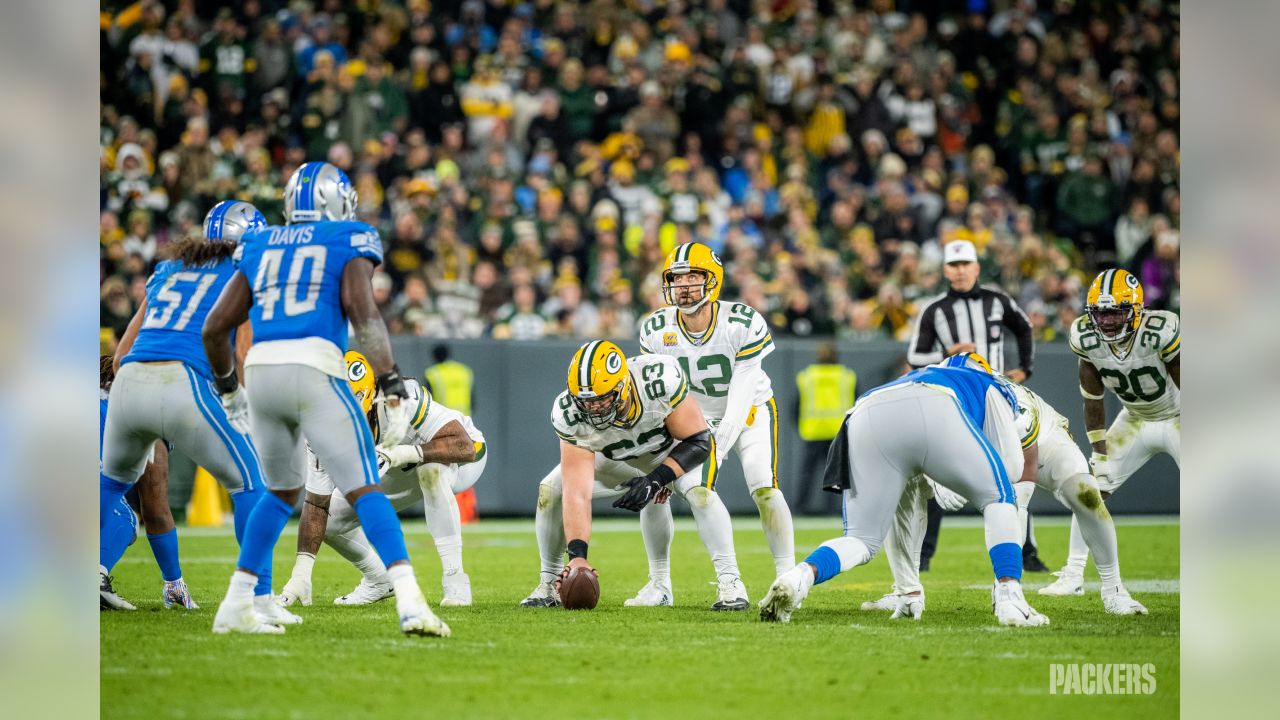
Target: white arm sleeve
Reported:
[(742, 390)]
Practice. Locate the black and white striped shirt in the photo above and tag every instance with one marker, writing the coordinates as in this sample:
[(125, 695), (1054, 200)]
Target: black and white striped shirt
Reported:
[(977, 317)]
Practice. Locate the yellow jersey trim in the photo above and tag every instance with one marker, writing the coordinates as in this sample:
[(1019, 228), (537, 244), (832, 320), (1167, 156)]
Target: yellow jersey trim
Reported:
[(711, 329)]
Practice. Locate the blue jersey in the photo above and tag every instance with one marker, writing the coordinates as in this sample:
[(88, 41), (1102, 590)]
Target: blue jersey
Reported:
[(178, 300), (969, 385), (295, 272)]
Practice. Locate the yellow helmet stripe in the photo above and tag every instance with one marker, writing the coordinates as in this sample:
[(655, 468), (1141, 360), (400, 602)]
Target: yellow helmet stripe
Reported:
[(584, 365)]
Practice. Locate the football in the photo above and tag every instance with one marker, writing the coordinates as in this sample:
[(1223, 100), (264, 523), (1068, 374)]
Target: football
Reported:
[(580, 589)]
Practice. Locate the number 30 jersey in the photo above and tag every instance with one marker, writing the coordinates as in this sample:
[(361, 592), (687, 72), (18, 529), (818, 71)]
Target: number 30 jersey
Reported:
[(737, 337), (1139, 378), (295, 272), (657, 387)]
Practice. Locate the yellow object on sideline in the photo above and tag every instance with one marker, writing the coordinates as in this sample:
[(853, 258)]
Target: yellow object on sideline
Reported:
[(207, 501)]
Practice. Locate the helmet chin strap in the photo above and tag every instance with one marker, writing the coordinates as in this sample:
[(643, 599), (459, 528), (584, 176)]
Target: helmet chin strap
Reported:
[(695, 307)]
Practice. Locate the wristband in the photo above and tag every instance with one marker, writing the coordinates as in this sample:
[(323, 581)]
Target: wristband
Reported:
[(226, 384), (391, 384), (1088, 395), (577, 549), (1096, 435), (663, 474)]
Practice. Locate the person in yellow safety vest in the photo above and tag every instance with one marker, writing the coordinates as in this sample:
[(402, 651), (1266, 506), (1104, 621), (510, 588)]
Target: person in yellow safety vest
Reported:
[(450, 382), (826, 392)]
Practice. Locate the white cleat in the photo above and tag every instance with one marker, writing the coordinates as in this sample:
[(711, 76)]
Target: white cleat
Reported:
[(272, 612), (731, 595), (655, 593), (297, 590), (1011, 607), (416, 617), (908, 606), (457, 590), (366, 593), (888, 603), (1068, 583), (786, 594), (237, 615), (1117, 601), (543, 596), (176, 594), (107, 597)]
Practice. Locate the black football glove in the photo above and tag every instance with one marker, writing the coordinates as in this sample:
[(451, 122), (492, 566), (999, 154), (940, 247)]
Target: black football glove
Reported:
[(641, 490)]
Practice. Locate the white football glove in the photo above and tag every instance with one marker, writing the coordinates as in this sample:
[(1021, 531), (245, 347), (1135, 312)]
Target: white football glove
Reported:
[(946, 499), (403, 455), (236, 405), (297, 590), (1099, 466), (396, 428)]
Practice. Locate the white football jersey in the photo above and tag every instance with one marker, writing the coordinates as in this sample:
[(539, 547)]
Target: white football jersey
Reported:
[(658, 387), (1139, 377), (1035, 416), (738, 337)]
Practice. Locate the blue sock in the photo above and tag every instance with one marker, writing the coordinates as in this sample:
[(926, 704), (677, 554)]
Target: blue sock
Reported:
[(242, 504), (110, 492), (165, 547), (382, 527), (266, 522), (119, 530), (827, 561), (1006, 560)]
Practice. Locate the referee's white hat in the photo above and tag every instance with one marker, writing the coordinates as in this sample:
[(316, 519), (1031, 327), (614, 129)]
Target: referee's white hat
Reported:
[(959, 251)]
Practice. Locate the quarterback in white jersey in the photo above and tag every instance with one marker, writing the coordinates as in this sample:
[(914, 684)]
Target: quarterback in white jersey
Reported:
[(1060, 469), (443, 454), (627, 431), (1134, 353), (720, 347)]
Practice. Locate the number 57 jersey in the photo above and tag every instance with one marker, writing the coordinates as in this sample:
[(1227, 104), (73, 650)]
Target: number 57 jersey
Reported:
[(295, 272), (1139, 378), (737, 337)]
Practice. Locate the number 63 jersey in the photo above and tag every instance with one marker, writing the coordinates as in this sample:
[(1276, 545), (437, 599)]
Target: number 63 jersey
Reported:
[(641, 439), (736, 337), (1139, 378)]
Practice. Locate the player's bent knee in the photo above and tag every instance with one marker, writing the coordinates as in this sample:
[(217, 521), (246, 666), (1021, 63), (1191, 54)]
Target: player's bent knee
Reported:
[(549, 497), (700, 498)]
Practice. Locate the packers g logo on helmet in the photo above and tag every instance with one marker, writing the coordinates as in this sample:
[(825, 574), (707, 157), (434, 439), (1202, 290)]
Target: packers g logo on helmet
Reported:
[(1114, 305), (360, 377), (688, 258), (598, 382)]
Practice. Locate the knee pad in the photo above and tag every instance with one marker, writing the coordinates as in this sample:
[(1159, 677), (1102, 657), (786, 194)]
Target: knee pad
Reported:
[(548, 497), (699, 498)]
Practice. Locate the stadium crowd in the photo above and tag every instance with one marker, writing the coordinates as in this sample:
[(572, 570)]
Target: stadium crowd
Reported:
[(531, 164)]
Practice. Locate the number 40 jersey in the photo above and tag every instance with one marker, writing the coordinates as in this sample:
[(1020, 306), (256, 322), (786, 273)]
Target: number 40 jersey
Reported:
[(1139, 378), (295, 272), (738, 336)]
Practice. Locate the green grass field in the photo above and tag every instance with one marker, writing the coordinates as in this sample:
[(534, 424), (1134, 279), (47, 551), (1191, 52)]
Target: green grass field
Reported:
[(504, 661)]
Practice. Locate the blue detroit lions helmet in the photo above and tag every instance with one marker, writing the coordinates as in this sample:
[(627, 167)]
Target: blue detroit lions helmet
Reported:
[(319, 191), (972, 361), (229, 220)]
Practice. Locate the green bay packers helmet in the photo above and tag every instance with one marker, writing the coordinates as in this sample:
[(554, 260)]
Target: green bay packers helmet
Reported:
[(360, 377), (690, 258), (1114, 305), (599, 382)]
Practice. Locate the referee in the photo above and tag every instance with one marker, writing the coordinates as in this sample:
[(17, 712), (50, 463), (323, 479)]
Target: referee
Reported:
[(971, 318)]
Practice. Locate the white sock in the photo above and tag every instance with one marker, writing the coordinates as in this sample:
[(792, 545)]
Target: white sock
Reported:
[(851, 551), (548, 525), (1078, 550), (902, 546), (1091, 521), (405, 584), (1000, 520), (303, 565), (1024, 491), (242, 584), (775, 518), (715, 528), (657, 527), (440, 508), (450, 550), (355, 547)]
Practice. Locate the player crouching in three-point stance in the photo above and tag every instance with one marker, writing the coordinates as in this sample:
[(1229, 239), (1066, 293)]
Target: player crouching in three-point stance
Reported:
[(309, 279), (1136, 354), (720, 346), (955, 424), (443, 454), (1061, 469), (627, 432)]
